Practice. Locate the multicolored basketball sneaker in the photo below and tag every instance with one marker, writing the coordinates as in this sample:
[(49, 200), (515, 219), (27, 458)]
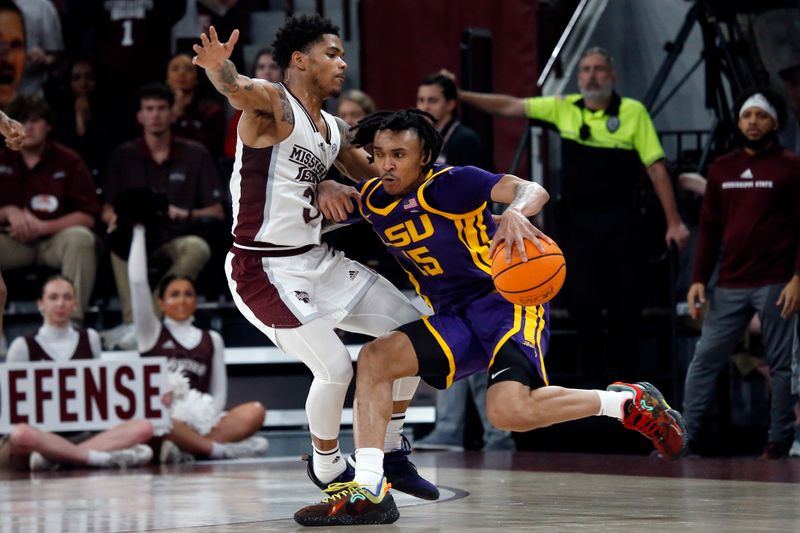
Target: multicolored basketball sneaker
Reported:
[(649, 414), (351, 504)]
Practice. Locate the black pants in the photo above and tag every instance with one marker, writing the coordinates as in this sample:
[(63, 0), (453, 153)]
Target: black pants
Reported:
[(604, 254)]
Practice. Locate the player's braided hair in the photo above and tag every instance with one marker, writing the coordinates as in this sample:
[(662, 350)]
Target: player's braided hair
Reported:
[(298, 34), (406, 119)]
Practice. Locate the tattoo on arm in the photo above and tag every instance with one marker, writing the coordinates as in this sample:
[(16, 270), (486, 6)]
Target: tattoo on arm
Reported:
[(287, 115), (344, 133), (228, 78)]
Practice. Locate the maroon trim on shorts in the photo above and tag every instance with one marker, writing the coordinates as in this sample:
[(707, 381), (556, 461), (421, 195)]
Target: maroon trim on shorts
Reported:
[(257, 291)]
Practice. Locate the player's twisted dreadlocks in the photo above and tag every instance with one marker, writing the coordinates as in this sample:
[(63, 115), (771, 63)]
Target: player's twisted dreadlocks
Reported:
[(406, 119)]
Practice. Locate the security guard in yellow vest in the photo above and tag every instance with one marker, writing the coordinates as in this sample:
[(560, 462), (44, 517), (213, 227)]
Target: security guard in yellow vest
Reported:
[(605, 142)]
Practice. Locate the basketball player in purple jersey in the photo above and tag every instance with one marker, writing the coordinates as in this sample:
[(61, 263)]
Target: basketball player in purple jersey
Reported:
[(292, 288), (435, 220)]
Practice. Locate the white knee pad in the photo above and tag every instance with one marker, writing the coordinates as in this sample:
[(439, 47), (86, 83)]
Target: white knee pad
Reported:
[(403, 389), (316, 345), (324, 408)]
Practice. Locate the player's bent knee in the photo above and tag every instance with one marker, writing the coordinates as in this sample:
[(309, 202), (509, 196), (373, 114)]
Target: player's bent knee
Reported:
[(508, 413), (387, 358), (255, 415), (143, 431)]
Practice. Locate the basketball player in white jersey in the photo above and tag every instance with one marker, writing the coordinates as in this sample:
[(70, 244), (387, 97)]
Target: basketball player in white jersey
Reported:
[(285, 282)]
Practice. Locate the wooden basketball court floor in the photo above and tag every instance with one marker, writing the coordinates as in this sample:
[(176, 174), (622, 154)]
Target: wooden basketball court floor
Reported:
[(501, 491)]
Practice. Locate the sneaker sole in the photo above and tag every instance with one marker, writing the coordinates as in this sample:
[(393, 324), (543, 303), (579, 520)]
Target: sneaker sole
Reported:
[(389, 516)]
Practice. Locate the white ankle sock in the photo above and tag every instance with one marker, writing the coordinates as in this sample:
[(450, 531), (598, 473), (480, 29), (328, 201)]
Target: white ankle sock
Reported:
[(217, 451), (369, 467), (328, 465), (98, 458), (394, 433), (611, 402)]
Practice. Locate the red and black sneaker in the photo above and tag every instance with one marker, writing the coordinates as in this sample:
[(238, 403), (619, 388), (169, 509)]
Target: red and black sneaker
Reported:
[(649, 414), (351, 504)]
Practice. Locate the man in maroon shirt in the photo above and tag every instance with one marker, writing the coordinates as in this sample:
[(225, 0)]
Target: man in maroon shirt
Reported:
[(48, 203), (750, 218), (178, 172)]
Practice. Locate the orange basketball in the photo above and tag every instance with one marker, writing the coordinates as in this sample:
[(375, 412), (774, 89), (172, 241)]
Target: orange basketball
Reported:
[(534, 282)]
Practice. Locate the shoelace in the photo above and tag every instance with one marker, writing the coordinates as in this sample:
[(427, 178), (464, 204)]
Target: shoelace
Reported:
[(340, 490), (648, 426)]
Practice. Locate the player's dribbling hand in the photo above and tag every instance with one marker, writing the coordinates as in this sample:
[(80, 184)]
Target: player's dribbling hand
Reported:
[(335, 200), (513, 229), (211, 51)]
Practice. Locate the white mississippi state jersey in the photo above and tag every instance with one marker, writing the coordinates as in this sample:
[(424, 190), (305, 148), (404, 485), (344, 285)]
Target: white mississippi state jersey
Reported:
[(274, 189)]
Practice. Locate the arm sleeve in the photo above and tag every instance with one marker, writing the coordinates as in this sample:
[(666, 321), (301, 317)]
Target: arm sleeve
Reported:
[(645, 139), (709, 232), (542, 108), (144, 318), (18, 351), (94, 343), (219, 377)]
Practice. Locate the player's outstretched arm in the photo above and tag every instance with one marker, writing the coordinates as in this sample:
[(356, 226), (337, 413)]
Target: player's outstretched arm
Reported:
[(525, 199), (214, 56), (501, 105)]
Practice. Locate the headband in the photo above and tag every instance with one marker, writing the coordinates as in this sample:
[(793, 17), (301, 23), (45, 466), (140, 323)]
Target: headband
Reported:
[(760, 101)]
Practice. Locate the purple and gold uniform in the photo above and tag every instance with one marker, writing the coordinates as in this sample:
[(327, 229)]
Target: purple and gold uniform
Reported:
[(440, 233)]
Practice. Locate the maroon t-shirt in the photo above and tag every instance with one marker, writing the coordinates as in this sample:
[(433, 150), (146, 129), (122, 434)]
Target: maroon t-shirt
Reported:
[(82, 351), (751, 216), (187, 178), (195, 364), (59, 184)]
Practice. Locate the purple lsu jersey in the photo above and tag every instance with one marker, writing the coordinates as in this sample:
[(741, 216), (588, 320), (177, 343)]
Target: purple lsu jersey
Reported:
[(440, 233)]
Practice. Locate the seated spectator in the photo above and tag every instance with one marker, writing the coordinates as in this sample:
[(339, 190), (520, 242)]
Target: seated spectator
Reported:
[(354, 105), (264, 68), (80, 124), (200, 427), (48, 203), (180, 173), (57, 341), (194, 116)]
